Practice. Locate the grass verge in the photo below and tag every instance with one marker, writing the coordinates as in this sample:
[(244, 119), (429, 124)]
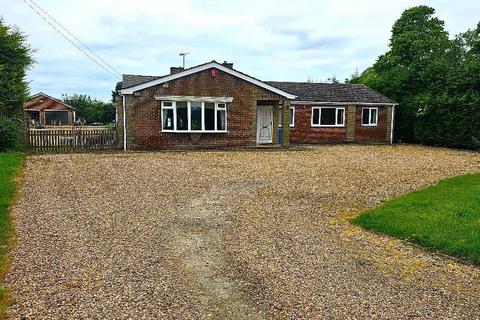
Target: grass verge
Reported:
[(444, 217), (10, 164)]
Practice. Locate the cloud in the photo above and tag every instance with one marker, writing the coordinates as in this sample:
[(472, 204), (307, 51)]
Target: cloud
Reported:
[(271, 40)]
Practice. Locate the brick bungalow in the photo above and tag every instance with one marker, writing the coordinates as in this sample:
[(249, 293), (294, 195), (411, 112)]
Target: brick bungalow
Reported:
[(213, 105), (45, 110)]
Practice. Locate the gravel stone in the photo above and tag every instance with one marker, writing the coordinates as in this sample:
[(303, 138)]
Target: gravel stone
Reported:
[(230, 235)]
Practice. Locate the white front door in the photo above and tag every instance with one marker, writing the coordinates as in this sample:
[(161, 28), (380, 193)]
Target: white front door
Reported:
[(264, 124)]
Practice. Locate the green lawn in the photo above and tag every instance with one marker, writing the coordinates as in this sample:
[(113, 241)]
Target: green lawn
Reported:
[(10, 163), (444, 217)]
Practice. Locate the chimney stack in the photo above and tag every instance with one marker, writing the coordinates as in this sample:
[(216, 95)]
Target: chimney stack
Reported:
[(174, 70), (227, 64)]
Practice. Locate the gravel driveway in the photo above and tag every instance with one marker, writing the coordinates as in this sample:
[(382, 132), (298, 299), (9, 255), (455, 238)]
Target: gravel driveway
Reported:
[(230, 235)]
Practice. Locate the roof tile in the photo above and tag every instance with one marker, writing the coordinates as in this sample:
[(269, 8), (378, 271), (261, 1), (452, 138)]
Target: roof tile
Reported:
[(331, 92)]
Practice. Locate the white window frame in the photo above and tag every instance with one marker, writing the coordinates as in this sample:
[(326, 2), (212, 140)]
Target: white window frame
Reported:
[(292, 124), (218, 106), (336, 125), (370, 124), (172, 107), (189, 115)]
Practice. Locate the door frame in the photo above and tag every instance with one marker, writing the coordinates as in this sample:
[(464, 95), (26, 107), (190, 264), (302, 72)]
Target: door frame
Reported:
[(271, 126)]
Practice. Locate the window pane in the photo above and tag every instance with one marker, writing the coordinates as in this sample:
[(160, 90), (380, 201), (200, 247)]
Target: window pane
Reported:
[(196, 115), (316, 113), (292, 111), (167, 103), (373, 116), (167, 119), (280, 117), (340, 116), (327, 116), (56, 117), (34, 115), (182, 117), (209, 116), (221, 106), (365, 115), (221, 123)]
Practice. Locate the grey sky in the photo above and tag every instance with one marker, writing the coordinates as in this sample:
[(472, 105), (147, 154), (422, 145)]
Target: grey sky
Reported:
[(270, 40)]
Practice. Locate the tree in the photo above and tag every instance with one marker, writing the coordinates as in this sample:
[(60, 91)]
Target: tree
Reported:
[(435, 80), (16, 57), (413, 64), (450, 116), (333, 79), (92, 110)]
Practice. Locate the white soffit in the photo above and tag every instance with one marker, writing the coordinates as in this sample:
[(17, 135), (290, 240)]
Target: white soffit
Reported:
[(193, 98)]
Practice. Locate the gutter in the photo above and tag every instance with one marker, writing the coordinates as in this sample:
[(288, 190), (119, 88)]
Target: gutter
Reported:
[(326, 103), (124, 123)]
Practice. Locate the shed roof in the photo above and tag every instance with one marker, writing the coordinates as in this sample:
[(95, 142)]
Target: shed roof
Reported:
[(42, 101)]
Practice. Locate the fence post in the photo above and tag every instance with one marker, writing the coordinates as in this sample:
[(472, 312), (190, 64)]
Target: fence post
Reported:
[(74, 135)]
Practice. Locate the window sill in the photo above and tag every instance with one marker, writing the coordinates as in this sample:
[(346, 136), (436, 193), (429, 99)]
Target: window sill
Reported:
[(369, 125), (191, 131), (327, 126)]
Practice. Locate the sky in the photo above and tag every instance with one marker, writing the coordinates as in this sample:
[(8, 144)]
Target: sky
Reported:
[(270, 40)]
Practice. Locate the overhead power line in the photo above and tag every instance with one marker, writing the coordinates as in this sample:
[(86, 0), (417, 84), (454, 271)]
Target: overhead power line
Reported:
[(91, 54), (74, 37)]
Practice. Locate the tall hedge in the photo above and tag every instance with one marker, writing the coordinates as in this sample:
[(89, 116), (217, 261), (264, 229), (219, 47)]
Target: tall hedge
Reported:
[(10, 133), (15, 59), (435, 79)]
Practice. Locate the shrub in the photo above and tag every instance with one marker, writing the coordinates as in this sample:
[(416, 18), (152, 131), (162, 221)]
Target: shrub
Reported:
[(10, 133)]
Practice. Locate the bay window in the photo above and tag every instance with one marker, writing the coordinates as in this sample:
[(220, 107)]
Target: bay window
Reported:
[(328, 117), (196, 116), (193, 116), (167, 116), (181, 108), (369, 116), (221, 117), (209, 116)]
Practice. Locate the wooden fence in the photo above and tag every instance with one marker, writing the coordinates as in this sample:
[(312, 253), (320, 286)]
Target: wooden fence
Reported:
[(72, 140)]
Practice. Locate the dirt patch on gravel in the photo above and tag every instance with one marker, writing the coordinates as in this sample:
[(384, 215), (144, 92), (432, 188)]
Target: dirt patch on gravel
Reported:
[(230, 235)]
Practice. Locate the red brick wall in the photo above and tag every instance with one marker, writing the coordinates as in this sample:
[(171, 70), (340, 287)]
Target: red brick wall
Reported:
[(144, 117), (372, 134), (144, 113), (303, 132)]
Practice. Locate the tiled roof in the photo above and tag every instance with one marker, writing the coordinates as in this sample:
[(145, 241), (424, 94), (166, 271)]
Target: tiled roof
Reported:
[(305, 91), (331, 92), (131, 80)]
